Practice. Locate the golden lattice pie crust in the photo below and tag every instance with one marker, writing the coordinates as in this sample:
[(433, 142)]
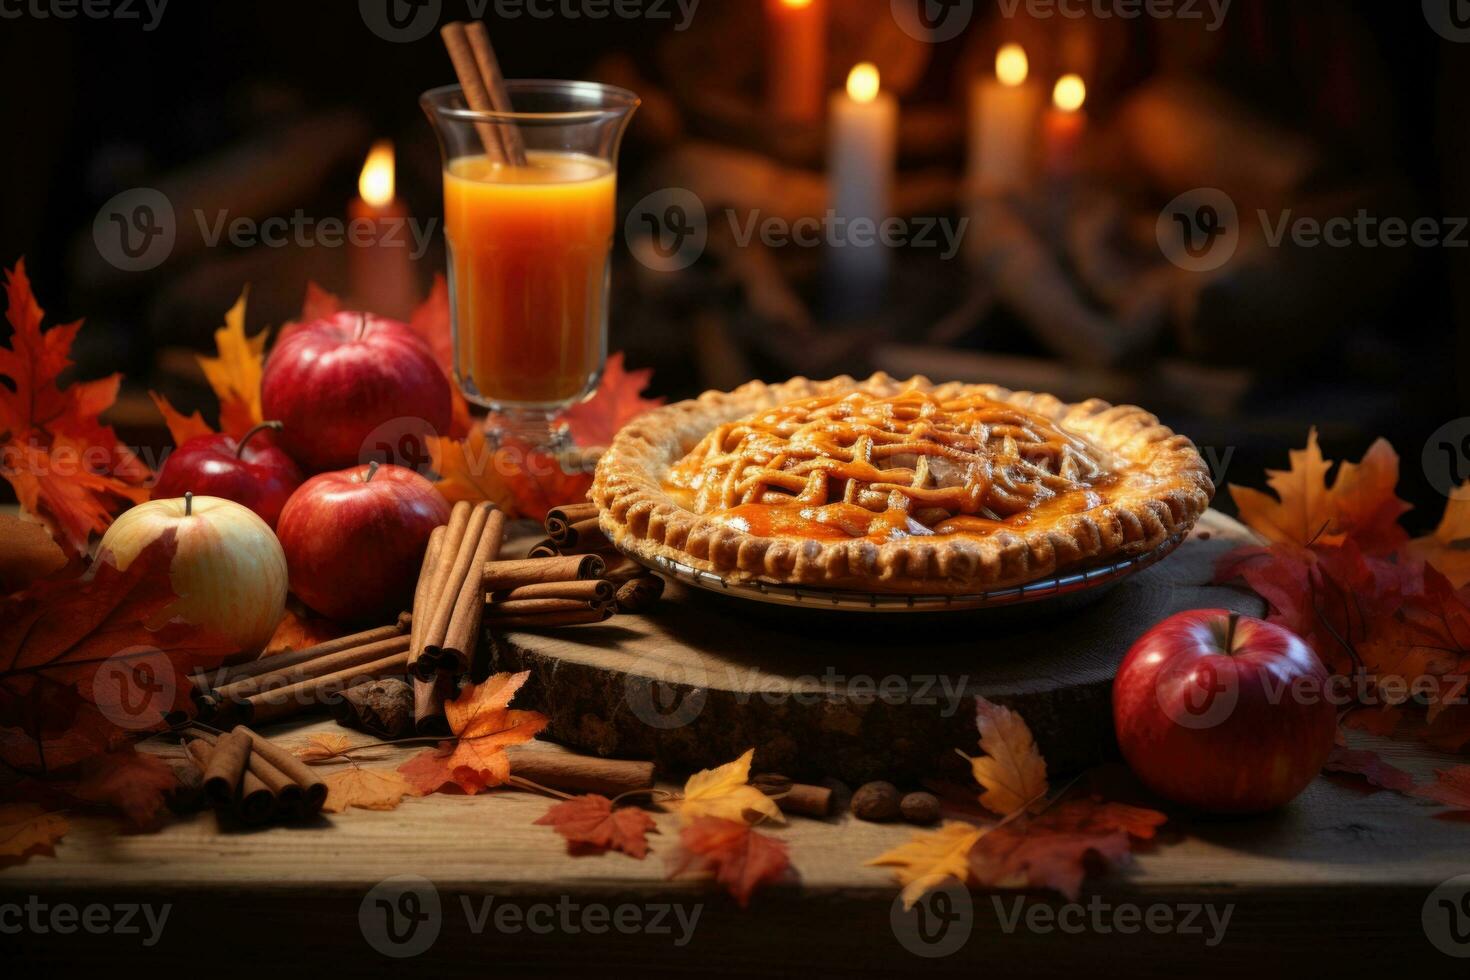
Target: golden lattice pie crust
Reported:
[(896, 486)]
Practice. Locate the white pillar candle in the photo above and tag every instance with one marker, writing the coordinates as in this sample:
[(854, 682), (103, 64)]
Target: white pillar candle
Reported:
[(863, 153), (1003, 114)]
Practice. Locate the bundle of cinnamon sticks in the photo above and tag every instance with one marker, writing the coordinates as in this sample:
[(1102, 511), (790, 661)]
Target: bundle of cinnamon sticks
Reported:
[(572, 530), (253, 778)]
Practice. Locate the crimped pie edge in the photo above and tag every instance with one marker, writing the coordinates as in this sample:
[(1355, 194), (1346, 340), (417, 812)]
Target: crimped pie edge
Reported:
[(641, 518)]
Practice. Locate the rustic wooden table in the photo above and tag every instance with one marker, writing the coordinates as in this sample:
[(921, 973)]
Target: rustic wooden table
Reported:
[(1340, 882)]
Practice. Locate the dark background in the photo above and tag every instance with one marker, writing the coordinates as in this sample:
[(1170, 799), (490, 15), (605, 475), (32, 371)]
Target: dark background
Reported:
[(95, 107)]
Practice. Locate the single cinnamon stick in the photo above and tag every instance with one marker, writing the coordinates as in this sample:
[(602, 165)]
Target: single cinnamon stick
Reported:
[(568, 514), (313, 788), (637, 594), (582, 537), (544, 549), (806, 800), (227, 764), (459, 520), (421, 593), (320, 667), (476, 95), (580, 773), (446, 597), (501, 576), (289, 800), (536, 607), (510, 136), (429, 697), (589, 590), (622, 569), (281, 661), (595, 614), (458, 647), (294, 699)]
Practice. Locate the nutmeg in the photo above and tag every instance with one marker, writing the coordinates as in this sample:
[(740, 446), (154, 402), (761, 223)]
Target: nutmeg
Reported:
[(919, 808), (877, 801)]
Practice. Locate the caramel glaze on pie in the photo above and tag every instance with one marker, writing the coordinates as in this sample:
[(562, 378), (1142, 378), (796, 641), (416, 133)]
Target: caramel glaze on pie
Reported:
[(896, 486)]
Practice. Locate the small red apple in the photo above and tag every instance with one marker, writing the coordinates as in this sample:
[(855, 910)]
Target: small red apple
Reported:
[(251, 472), (354, 539), (351, 386), (1223, 712)]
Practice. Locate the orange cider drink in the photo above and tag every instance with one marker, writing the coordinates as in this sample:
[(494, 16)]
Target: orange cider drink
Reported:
[(529, 247)]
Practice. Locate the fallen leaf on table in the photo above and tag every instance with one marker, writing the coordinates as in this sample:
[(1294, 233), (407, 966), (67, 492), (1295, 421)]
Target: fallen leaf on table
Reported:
[(134, 783), (1012, 770), (1370, 766), (1450, 787), (68, 470), (931, 858), (235, 372), (322, 747), (591, 824), (27, 829), (1053, 850), (484, 726), (725, 792), (740, 857), (1448, 548), (366, 789), (617, 401), (27, 553)]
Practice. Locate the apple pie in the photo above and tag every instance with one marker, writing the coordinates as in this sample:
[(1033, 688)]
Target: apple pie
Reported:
[(896, 486)]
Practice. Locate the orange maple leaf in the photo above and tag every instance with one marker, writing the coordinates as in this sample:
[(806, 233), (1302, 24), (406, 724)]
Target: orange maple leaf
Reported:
[(66, 467), (27, 829), (1012, 770), (740, 857), (617, 401), (591, 824), (235, 372), (1448, 548), (484, 726), (519, 480), (1361, 504)]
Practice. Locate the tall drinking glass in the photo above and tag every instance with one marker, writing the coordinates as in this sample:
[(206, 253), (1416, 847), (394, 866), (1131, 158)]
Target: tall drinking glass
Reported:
[(530, 244)]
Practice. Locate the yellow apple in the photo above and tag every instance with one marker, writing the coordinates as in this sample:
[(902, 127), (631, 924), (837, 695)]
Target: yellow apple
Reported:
[(228, 570)]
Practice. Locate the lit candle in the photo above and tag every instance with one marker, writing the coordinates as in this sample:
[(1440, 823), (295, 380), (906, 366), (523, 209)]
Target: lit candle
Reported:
[(1064, 127), (379, 241), (796, 59), (864, 148), (1003, 114)]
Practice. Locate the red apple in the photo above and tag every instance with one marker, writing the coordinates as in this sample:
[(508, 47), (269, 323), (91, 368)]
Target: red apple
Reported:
[(354, 539), (1224, 713), (352, 387), (252, 472), (228, 569)]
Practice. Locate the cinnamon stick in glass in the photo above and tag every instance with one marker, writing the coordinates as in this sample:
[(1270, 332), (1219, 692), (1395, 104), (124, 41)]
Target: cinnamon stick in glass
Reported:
[(510, 136), (476, 95), (501, 576)]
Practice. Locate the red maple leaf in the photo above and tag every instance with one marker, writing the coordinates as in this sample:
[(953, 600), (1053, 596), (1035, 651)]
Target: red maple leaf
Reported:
[(591, 825), (1371, 766), (67, 468), (740, 857), (1450, 787), (1054, 850), (617, 401)]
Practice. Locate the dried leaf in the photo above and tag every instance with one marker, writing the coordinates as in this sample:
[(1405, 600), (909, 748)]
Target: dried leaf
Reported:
[(300, 628), (236, 372), (366, 789), (741, 858), (617, 401), (27, 554), (930, 858), (484, 726), (1012, 769), (1450, 787), (27, 829), (516, 478), (591, 824), (1448, 548), (1369, 765), (134, 783), (724, 792), (322, 747)]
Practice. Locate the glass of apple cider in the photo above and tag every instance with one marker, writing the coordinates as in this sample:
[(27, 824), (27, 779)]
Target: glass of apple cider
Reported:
[(529, 219)]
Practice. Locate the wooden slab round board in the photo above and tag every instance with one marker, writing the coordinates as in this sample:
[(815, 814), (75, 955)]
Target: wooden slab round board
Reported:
[(858, 696)]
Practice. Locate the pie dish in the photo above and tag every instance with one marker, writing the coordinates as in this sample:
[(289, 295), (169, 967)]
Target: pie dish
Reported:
[(896, 486)]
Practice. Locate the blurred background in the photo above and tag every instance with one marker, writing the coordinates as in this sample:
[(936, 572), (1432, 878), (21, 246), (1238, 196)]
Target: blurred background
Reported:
[(1152, 243)]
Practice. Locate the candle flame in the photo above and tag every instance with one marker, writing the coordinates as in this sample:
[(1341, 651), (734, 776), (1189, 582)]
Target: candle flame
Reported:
[(1011, 65), (796, 4), (1070, 93), (863, 82), (375, 185)]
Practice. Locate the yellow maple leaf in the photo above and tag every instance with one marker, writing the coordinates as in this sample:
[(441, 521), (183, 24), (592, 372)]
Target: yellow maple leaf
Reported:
[(1448, 548), (930, 858), (27, 829), (323, 747), (725, 792), (235, 374), (366, 789), (1012, 770), (1304, 508)]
